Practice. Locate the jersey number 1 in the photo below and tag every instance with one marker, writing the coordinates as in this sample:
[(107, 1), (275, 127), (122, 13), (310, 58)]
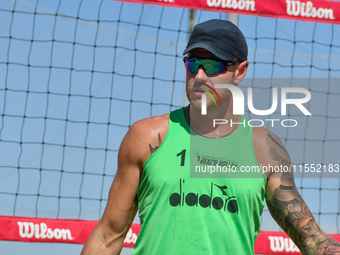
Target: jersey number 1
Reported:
[(182, 154)]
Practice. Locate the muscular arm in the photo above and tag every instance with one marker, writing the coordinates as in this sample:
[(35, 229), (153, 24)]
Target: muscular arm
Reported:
[(287, 206), (108, 236)]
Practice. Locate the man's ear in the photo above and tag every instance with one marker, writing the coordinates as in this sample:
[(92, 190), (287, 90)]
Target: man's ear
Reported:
[(241, 71)]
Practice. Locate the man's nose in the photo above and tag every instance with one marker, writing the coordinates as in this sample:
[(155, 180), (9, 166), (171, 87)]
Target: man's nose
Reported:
[(201, 73)]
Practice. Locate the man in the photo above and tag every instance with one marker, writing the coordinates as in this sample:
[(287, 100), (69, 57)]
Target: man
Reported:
[(184, 215)]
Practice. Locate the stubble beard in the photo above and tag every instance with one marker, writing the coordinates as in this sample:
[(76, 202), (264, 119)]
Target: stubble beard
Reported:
[(196, 101)]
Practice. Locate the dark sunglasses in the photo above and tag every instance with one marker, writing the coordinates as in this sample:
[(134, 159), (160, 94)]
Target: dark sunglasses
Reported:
[(211, 66)]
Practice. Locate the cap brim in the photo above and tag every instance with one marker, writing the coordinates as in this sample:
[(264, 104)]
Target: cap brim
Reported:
[(220, 54)]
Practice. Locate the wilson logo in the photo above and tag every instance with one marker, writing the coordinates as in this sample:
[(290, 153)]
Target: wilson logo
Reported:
[(248, 5), (297, 8), (30, 230), (130, 237), (280, 244)]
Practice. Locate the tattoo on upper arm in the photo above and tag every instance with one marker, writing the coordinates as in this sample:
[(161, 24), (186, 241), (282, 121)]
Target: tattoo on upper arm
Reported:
[(291, 212), (277, 152), (153, 149)]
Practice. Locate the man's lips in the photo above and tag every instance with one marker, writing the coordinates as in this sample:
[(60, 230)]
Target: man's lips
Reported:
[(198, 90), (208, 89)]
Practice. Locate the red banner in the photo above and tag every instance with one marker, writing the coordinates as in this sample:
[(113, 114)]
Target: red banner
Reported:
[(278, 243), (77, 231), (25, 229), (314, 10)]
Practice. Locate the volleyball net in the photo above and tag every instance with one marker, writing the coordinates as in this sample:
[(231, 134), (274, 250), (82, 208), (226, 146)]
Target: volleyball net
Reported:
[(75, 75)]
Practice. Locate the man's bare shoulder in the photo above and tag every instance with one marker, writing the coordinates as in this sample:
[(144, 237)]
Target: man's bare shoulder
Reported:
[(149, 128), (262, 138), (144, 137), (269, 149)]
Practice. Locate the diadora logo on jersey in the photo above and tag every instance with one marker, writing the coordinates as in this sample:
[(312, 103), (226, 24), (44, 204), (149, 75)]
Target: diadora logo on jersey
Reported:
[(223, 201)]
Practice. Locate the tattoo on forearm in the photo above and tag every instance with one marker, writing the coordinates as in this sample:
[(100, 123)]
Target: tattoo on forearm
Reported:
[(153, 149), (291, 212)]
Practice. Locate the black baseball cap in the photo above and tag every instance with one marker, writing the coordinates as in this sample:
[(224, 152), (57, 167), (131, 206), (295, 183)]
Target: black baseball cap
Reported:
[(221, 37)]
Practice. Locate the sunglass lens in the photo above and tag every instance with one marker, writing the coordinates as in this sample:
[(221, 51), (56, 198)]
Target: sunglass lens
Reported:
[(210, 66)]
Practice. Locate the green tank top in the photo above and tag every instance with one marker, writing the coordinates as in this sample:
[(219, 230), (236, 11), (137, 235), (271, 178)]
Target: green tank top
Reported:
[(183, 212)]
